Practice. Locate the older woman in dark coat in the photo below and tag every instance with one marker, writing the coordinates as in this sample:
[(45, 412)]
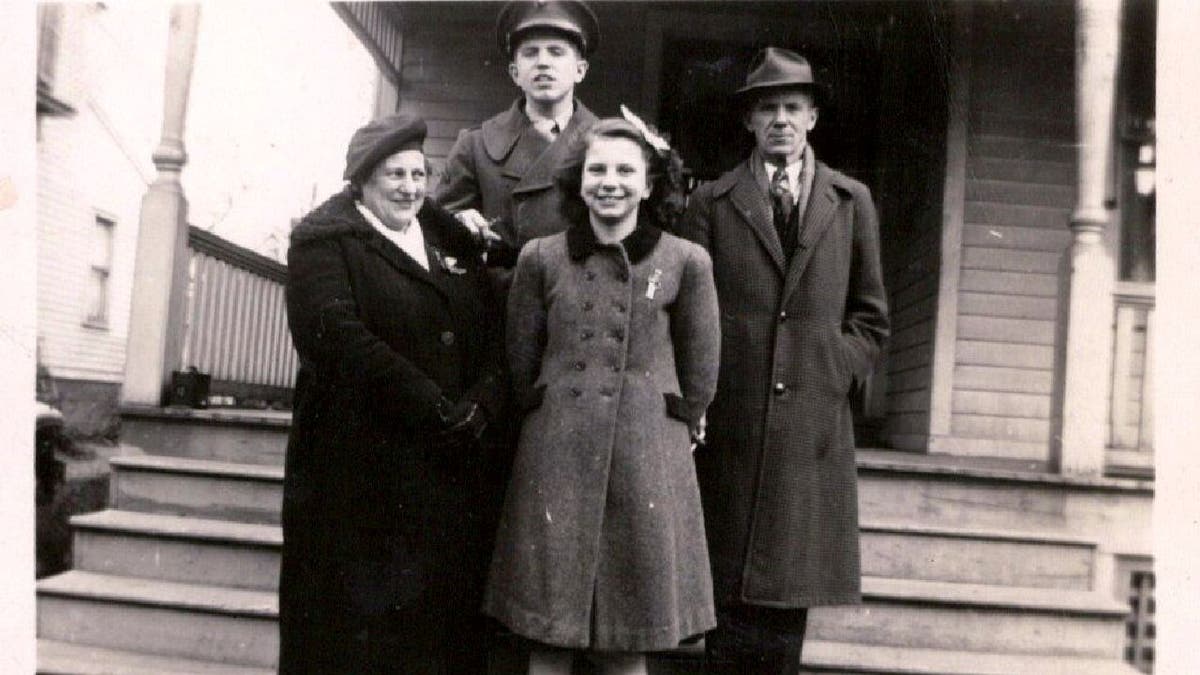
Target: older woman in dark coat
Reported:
[(401, 370), (613, 337)]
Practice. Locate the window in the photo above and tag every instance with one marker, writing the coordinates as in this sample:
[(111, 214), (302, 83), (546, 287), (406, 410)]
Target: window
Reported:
[(101, 268), (1136, 142)]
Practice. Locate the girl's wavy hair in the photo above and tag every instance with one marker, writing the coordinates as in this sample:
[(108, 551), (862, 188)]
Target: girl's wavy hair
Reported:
[(667, 198)]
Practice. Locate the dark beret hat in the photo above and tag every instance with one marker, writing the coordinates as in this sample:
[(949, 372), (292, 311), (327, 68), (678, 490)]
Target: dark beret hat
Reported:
[(379, 139), (570, 17)]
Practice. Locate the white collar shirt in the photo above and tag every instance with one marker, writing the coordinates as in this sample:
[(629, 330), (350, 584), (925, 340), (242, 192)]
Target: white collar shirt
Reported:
[(793, 175), (546, 124), (411, 240)]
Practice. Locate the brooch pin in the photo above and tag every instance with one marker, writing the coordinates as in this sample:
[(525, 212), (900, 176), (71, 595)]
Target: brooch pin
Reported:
[(450, 264), (652, 284)]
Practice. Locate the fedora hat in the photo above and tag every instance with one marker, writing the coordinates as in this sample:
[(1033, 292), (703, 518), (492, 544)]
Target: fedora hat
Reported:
[(775, 68), (572, 18)]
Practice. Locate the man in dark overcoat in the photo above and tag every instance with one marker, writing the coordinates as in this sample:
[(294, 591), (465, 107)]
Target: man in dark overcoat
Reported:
[(499, 176), (795, 249)]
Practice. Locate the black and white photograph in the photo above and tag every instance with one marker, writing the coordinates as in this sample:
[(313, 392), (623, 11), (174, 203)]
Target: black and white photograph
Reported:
[(608, 337)]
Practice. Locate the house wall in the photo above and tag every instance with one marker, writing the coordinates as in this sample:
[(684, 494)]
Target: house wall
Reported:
[(1019, 192), (96, 162)]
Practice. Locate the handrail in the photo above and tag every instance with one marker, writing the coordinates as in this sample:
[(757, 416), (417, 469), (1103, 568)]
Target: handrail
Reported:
[(207, 242), (236, 321)]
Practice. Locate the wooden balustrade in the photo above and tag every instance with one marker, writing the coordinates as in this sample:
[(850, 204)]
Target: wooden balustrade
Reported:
[(236, 326), (1131, 422)]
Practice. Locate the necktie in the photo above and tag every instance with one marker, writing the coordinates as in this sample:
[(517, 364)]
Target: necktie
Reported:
[(782, 198), (548, 129)]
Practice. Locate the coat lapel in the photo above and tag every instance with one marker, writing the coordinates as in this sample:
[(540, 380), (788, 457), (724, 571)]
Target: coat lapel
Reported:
[(537, 172), (754, 207), (822, 206), (404, 263), (401, 260)]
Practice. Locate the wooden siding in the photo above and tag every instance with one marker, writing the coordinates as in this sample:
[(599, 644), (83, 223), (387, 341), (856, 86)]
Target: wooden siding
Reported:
[(1020, 189), (95, 162)]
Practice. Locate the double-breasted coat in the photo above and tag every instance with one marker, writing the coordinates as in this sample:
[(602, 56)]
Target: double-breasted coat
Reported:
[(613, 352), (778, 477), (380, 552), (505, 170)]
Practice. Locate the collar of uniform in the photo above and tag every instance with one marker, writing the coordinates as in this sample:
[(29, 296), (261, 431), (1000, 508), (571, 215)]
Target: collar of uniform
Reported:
[(500, 133), (562, 122), (582, 241)]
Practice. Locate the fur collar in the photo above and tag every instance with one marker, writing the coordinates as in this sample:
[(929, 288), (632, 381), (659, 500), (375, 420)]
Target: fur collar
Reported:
[(582, 242)]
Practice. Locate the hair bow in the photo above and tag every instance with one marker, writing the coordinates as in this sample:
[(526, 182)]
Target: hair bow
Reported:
[(657, 142)]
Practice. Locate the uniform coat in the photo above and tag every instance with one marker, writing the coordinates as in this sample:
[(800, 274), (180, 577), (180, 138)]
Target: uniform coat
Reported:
[(778, 476), (601, 543), (377, 525), (505, 170)]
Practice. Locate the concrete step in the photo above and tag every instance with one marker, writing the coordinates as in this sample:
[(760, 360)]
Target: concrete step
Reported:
[(163, 618), (976, 617), (227, 435), (177, 548), (65, 658), (978, 556), (196, 487), (821, 656)]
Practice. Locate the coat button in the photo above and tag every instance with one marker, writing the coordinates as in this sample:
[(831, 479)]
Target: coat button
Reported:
[(782, 317), (580, 365), (606, 392), (616, 367), (591, 276), (587, 306), (586, 335), (620, 307), (617, 334), (622, 277), (780, 389), (447, 338), (576, 392)]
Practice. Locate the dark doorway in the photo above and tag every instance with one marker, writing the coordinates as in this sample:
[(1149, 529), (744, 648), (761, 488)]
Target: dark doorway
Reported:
[(887, 66), (699, 76)]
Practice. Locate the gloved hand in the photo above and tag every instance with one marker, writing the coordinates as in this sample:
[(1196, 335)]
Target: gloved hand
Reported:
[(462, 424)]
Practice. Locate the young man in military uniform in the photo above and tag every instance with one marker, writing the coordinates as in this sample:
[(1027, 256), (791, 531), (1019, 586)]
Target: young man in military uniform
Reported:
[(499, 177)]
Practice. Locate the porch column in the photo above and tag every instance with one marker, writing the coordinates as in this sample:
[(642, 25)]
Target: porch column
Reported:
[(156, 316), (1090, 310)]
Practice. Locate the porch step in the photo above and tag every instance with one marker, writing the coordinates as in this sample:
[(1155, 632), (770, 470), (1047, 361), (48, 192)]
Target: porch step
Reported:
[(195, 487), (227, 435), (176, 548), (821, 656), (941, 491), (976, 617), (974, 555), (65, 658), (161, 618)]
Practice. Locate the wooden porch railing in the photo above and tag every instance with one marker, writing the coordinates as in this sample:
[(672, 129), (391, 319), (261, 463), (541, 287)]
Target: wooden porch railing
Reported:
[(236, 326), (1131, 424)]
